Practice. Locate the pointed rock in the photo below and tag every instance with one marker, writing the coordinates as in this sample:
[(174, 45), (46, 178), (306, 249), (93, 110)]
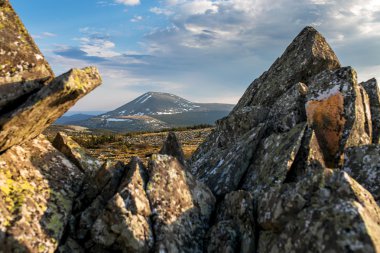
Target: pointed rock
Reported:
[(373, 91), (181, 206), (44, 107), (337, 110), (363, 164), (37, 189), (306, 56), (23, 68), (76, 154), (173, 147)]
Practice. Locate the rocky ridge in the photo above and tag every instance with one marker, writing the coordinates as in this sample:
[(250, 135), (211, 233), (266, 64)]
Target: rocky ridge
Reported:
[(293, 168)]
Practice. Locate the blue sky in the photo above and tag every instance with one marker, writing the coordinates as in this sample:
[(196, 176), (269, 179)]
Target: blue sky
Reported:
[(202, 50)]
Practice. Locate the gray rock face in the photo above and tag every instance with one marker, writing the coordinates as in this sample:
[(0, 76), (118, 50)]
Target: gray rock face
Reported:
[(180, 205), (372, 89), (23, 69), (41, 109), (173, 147), (363, 164)]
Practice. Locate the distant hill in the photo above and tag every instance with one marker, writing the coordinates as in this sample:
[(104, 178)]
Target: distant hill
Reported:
[(154, 111)]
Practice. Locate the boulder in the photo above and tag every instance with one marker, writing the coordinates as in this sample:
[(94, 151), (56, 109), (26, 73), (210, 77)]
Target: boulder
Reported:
[(181, 206), (77, 155), (373, 91), (173, 147), (234, 229), (41, 109), (337, 110), (327, 211), (23, 69), (363, 164), (37, 190)]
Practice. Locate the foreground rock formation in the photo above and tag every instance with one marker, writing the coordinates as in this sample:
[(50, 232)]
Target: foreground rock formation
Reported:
[(293, 168)]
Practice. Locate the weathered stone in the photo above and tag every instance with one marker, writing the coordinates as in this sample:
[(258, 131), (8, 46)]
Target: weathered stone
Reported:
[(172, 147), (45, 106), (273, 160), (181, 206), (124, 225), (234, 230), (337, 110), (70, 246), (306, 56), (328, 212), (373, 91), (223, 173), (363, 164), (37, 188), (23, 69), (76, 153)]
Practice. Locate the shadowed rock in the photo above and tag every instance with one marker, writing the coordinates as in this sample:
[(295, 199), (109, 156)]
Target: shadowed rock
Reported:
[(180, 205), (37, 188), (372, 89), (76, 154), (172, 147), (44, 107), (363, 164), (23, 68)]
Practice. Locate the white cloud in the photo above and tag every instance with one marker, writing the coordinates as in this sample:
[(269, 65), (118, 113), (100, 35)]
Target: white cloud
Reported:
[(136, 18), (128, 2)]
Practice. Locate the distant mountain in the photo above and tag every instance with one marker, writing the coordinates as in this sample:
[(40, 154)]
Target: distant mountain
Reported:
[(67, 120), (155, 111)]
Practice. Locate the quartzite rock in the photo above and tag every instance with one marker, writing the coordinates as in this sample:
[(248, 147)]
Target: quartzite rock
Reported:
[(181, 206), (363, 164), (306, 56), (44, 107), (372, 89), (337, 109), (23, 68), (234, 230), (37, 188), (124, 224), (76, 154), (327, 212), (273, 160), (172, 147)]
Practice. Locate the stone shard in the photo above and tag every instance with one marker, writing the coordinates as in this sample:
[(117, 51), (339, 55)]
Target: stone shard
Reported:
[(273, 160), (363, 164), (173, 147), (306, 56), (234, 229), (181, 206), (23, 69), (337, 112), (124, 224), (37, 189), (76, 154), (327, 211), (373, 91), (44, 107)]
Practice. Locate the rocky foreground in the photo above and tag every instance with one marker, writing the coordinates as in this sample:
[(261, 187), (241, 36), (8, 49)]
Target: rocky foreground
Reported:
[(293, 168)]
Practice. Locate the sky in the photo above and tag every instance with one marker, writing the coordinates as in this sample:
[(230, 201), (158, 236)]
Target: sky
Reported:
[(202, 50)]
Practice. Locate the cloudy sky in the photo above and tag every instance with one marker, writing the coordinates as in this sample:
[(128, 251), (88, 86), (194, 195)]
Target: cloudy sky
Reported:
[(202, 50)]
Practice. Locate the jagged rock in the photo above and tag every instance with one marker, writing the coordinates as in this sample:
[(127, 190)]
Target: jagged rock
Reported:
[(44, 107), (306, 56), (37, 188), (181, 206), (234, 230), (23, 69), (124, 224), (172, 147), (70, 246), (337, 110), (76, 153), (372, 89), (273, 160), (363, 164), (327, 211)]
